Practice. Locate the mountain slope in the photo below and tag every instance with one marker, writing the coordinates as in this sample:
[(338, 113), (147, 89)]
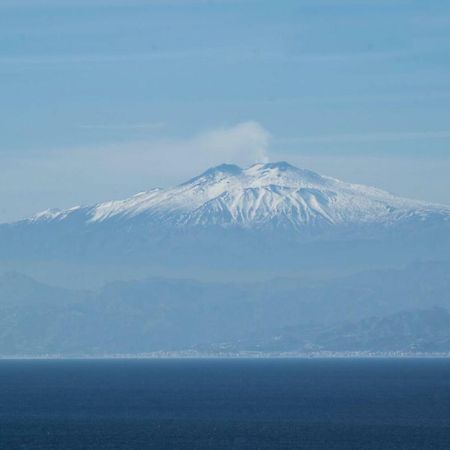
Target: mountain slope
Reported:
[(373, 311), (264, 195), (271, 218)]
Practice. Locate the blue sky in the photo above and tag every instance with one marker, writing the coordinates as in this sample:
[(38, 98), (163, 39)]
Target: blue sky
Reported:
[(100, 99)]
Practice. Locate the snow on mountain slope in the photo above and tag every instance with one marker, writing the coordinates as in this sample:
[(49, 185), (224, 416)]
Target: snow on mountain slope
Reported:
[(261, 196)]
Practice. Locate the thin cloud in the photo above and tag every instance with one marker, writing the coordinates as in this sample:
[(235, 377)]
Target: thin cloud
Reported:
[(163, 160), (367, 137), (128, 126), (95, 58), (107, 3), (218, 53), (70, 176)]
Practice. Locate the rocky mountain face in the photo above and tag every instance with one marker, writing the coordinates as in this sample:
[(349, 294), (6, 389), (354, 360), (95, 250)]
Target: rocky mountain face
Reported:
[(263, 196), (268, 245), (272, 218)]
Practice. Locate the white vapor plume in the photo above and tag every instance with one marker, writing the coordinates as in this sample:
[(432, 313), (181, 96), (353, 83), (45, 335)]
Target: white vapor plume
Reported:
[(65, 177)]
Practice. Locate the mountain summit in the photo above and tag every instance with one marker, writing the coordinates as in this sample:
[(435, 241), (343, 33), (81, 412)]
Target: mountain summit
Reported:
[(272, 215), (262, 196)]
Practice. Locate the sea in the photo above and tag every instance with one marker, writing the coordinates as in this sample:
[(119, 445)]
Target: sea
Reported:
[(336, 403)]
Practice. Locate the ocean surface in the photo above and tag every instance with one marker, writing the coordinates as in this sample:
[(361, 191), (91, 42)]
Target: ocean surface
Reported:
[(225, 404)]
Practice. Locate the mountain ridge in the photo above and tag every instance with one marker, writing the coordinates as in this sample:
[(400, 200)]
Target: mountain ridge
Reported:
[(400, 310), (272, 194), (264, 220)]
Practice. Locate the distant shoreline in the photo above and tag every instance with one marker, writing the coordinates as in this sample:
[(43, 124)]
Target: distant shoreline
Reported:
[(241, 355)]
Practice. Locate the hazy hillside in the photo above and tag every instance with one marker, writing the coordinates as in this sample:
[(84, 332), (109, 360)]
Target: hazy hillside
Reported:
[(378, 310), (267, 219)]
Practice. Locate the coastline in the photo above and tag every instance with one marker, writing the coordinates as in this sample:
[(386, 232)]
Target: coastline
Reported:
[(235, 355)]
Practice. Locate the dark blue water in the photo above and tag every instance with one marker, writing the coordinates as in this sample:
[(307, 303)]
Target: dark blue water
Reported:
[(225, 404)]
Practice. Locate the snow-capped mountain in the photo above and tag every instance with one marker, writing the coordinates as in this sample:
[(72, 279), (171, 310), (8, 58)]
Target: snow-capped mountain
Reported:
[(272, 216), (262, 196), (266, 245)]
